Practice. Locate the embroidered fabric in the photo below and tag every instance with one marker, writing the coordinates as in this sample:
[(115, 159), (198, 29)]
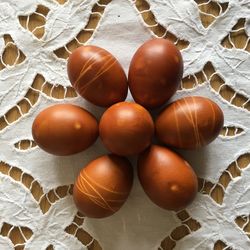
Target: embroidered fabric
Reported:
[(35, 187)]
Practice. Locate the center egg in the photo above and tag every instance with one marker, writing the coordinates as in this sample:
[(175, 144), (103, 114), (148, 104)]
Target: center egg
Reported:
[(126, 128)]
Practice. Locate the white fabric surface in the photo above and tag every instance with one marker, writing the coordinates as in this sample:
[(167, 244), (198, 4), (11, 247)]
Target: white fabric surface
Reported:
[(139, 224)]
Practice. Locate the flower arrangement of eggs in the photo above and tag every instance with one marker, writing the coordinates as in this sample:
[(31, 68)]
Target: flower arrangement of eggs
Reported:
[(127, 128)]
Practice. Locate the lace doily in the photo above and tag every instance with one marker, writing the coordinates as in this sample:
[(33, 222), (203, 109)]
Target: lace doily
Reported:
[(37, 211)]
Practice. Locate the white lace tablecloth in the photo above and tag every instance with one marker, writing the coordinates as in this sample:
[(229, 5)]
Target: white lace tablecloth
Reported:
[(139, 225)]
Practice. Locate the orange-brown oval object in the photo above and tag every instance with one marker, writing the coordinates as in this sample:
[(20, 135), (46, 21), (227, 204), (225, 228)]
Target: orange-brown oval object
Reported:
[(103, 186), (189, 123), (155, 72), (97, 76), (64, 129), (126, 128), (166, 178)]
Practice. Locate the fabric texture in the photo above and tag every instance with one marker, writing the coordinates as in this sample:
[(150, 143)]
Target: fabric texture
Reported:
[(121, 30)]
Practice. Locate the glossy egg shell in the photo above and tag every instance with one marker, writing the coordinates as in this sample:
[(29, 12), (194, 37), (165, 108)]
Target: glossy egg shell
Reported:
[(64, 129), (155, 72), (189, 123), (97, 76), (166, 178), (126, 128), (103, 186)]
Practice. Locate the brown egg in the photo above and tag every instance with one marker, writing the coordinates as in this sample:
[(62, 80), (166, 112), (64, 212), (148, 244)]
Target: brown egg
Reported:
[(97, 76), (126, 128), (103, 186), (155, 72), (166, 178), (64, 129), (189, 123)]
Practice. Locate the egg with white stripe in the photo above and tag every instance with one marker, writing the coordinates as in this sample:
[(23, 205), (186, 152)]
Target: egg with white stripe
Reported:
[(189, 123), (103, 186), (97, 76)]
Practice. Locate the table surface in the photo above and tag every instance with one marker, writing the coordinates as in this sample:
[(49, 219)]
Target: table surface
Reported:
[(10, 55)]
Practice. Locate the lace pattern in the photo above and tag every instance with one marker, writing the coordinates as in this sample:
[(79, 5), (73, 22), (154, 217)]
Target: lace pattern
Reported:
[(36, 205)]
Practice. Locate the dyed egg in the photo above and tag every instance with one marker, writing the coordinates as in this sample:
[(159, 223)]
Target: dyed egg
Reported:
[(166, 178), (97, 76), (64, 129), (126, 128), (103, 186), (155, 72), (189, 123)]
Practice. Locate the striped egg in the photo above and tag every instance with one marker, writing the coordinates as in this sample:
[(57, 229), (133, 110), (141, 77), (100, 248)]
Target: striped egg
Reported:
[(189, 123), (97, 76), (103, 186)]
